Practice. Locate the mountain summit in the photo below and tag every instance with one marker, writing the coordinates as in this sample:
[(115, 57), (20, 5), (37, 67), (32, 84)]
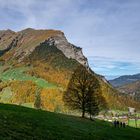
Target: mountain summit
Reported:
[(36, 67), (21, 44)]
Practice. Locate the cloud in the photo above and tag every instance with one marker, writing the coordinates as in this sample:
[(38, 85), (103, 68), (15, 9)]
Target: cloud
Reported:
[(103, 28), (111, 67)]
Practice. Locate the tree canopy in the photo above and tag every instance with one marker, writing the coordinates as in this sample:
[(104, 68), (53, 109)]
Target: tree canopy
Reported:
[(83, 92)]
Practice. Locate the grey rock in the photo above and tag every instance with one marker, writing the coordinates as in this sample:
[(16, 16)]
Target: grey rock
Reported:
[(68, 49)]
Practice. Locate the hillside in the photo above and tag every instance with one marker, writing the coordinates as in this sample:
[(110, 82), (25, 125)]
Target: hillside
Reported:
[(24, 123), (36, 67), (126, 79), (132, 89)]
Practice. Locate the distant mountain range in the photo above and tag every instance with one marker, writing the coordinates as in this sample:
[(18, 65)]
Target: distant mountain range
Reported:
[(133, 89), (111, 77), (123, 80), (128, 84)]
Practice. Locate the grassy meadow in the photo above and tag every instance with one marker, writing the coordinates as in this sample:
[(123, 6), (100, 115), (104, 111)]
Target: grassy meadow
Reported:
[(18, 122)]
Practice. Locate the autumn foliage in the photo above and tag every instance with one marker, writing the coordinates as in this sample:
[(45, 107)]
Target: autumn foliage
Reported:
[(84, 93), (58, 76), (51, 100), (23, 91)]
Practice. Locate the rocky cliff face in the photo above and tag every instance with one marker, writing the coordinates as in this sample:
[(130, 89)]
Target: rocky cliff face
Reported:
[(43, 59), (21, 44), (69, 50), (6, 37)]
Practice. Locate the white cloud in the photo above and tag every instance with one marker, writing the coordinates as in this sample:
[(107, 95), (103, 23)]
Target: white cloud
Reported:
[(109, 66), (104, 28)]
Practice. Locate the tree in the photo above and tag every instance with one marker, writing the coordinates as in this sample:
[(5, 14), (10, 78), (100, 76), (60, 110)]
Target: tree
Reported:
[(37, 103), (83, 92)]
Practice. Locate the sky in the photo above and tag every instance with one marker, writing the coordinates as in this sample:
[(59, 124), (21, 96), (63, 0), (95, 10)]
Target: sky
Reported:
[(107, 30)]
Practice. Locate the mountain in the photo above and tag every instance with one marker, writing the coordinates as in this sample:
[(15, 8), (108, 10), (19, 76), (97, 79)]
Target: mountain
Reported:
[(36, 67), (20, 123), (22, 44), (132, 89), (126, 79)]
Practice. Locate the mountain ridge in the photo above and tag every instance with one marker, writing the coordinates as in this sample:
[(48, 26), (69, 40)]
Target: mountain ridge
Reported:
[(31, 38), (43, 61), (125, 79), (132, 89)]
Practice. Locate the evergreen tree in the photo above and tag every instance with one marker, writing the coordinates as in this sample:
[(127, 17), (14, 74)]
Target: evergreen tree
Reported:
[(37, 103)]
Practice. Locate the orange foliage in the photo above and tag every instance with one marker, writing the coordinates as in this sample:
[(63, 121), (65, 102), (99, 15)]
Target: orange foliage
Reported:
[(3, 85), (23, 91), (58, 76), (51, 100), (116, 100)]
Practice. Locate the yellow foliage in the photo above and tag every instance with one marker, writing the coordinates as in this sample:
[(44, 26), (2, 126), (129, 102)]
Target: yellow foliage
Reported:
[(23, 91), (3, 85), (51, 100), (60, 77), (115, 100)]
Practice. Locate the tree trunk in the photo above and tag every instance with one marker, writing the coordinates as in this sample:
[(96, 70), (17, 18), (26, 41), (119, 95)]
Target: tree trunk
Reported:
[(90, 117), (83, 108), (83, 113)]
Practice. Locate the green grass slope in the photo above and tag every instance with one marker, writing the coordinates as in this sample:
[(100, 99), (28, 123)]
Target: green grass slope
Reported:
[(19, 74), (23, 123)]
